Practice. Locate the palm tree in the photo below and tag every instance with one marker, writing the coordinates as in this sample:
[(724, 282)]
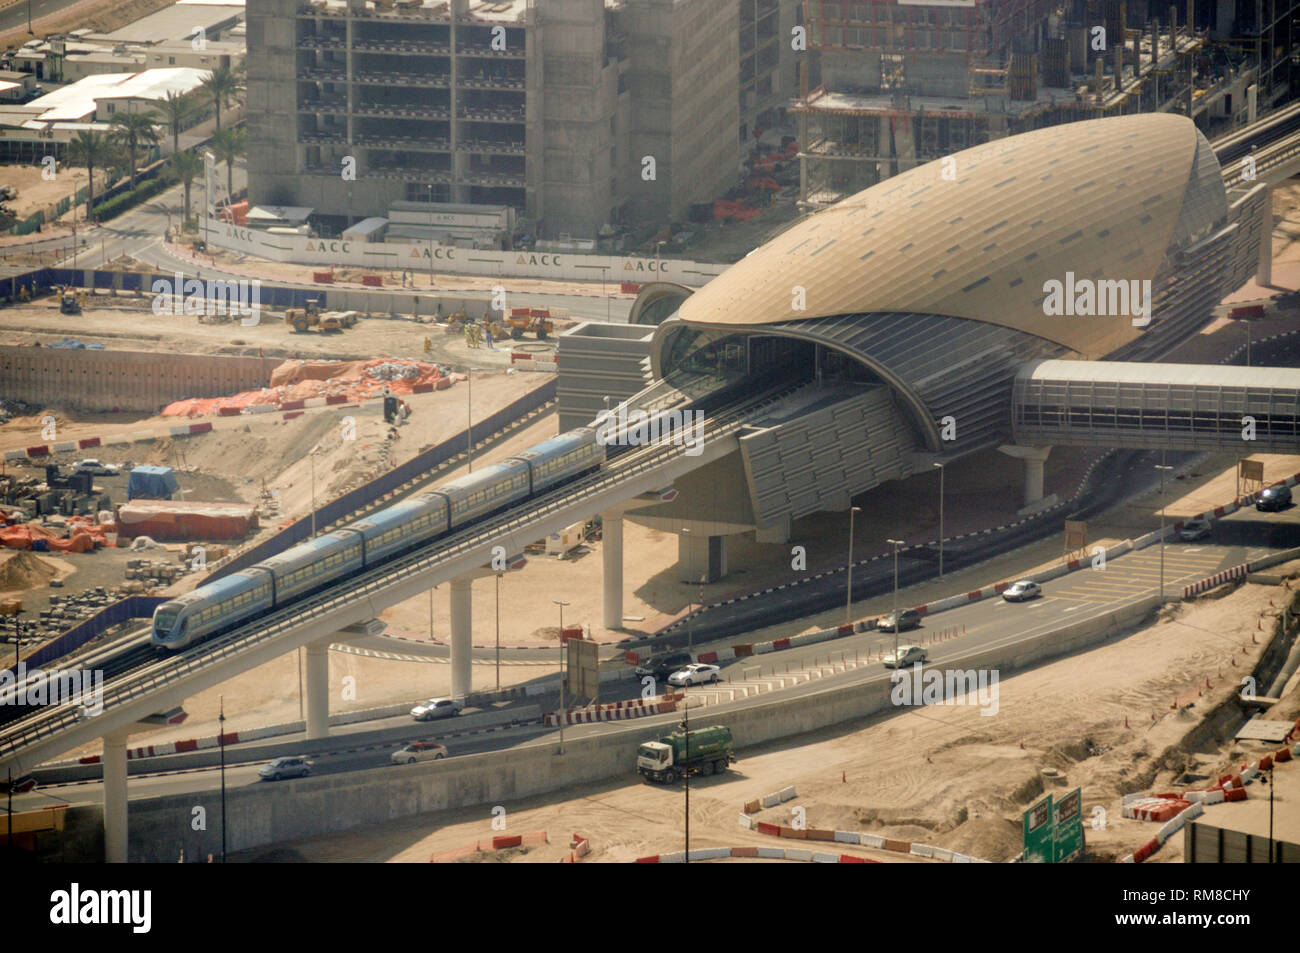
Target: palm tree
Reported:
[(221, 85), (228, 145), (91, 149), (185, 166), (175, 109), (133, 130)]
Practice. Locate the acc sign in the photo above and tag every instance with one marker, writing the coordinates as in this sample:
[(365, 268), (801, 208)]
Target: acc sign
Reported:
[(337, 247), (545, 260)]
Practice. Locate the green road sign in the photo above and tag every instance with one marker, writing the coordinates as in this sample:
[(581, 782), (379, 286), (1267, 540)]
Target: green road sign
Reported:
[(1038, 832), (1067, 822)]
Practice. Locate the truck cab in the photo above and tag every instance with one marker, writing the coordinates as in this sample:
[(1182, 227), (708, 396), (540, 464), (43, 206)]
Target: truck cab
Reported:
[(653, 758)]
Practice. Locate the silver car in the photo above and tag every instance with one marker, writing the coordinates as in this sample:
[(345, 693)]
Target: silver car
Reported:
[(907, 655), (285, 768), (436, 708)]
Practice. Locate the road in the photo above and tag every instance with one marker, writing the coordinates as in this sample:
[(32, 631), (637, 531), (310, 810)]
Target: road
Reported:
[(1126, 579), (15, 15), (138, 234)]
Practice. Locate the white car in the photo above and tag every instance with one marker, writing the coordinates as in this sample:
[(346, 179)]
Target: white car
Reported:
[(907, 655), (1022, 591), (96, 468), (436, 708), (1194, 530), (697, 673), (419, 751)]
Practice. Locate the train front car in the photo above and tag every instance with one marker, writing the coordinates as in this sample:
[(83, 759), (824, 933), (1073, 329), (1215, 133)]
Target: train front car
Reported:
[(563, 457), (485, 491), (211, 608)]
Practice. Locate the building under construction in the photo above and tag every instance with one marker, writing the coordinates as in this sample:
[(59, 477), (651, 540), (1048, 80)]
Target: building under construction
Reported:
[(575, 113), (901, 82)]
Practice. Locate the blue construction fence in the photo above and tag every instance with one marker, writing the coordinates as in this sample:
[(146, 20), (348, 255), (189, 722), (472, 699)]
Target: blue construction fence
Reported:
[(354, 500), (44, 280), (132, 607)]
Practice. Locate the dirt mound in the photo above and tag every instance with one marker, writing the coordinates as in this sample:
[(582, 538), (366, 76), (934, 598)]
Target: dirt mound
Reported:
[(988, 838), (23, 571)]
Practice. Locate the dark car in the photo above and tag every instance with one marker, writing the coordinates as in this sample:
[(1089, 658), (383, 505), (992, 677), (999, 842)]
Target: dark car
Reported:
[(907, 619), (661, 666), (1274, 498)]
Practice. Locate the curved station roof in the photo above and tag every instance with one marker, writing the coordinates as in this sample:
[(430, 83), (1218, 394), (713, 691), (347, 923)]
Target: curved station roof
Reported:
[(977, 234)]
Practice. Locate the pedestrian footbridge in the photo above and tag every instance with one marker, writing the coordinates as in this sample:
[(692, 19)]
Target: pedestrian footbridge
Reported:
[(1157, 406)]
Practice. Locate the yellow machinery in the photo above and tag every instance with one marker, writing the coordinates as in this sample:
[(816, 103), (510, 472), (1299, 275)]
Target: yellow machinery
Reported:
[(523, 320), (68, 303), (301, 319)]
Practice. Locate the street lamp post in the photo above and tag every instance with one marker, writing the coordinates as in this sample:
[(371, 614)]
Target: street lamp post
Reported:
[(430, 240), (895, 543), (1162, 470), (311, 455), (499, 631), (941, 475), (848, 595), (469, 417), (563, 702), (221, 743)]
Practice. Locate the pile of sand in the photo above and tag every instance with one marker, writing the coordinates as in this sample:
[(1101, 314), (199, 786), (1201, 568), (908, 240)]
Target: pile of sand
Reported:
[(23, 571)]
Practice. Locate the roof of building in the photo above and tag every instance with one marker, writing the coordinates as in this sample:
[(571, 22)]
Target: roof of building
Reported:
[(1163, 375), (977, 234), (176, 22), (79, 100)]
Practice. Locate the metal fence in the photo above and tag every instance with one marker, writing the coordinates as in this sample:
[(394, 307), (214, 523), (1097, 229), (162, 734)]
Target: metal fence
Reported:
[(376, 489), (132, 607)]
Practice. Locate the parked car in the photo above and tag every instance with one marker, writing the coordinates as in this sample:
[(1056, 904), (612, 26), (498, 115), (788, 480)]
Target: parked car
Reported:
[(95, 467), (419, 751), (661, 667), (436, 708), (1274, 498), (285, 768), (1022, 590), (907, 655), (907, 619), (697, 673), (1195, 529)]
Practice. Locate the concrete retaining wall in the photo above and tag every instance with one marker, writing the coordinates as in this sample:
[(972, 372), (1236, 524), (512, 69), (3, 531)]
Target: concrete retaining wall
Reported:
[(124, 380), (266, 814)]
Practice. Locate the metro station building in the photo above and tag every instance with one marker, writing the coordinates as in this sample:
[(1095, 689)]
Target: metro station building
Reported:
[(910, 308)]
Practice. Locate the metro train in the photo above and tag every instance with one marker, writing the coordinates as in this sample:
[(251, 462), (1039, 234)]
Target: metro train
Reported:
[(312, 566)]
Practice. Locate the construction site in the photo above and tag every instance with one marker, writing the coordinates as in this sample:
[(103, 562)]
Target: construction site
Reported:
[(897, 85)]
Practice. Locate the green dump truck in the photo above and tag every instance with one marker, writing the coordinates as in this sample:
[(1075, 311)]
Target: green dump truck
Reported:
[(703, 751)]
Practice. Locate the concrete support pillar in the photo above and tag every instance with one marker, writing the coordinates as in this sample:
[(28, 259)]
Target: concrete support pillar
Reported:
[(1034, 476), (612, 557), (115, 828), (1034, 458), (701, 557), (1264, 275), (462, 642), (317, 689)]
